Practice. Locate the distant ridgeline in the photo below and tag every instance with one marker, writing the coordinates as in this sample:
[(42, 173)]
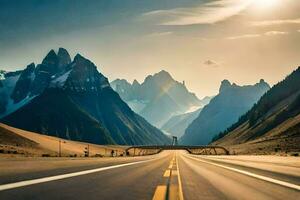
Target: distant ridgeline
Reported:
[(276, 114), (72, 100), (158, 98), (222, 111)]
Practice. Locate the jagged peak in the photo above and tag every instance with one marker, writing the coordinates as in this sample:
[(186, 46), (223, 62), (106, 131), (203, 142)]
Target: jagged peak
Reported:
[(135, 82), (225, 84), (51, 53), (62, 50), (81, 61), (163, 73), (79, 57), (118, 80), (64, 57), (31, 65), (262, 83), (160, 76), (50, 57), (63, 53)]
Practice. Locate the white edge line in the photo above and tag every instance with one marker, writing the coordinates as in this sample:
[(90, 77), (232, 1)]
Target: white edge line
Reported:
[(64, 176), (282, 183)]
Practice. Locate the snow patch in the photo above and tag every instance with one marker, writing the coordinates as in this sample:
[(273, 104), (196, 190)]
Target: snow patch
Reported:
[(104, 86), (193, 108), (60, 81), (12, 107)]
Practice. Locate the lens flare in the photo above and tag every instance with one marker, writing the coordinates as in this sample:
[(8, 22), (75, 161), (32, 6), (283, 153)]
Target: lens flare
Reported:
[(265, 3)]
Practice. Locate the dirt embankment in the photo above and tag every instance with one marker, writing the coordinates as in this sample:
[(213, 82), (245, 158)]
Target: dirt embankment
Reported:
[(16, 142)]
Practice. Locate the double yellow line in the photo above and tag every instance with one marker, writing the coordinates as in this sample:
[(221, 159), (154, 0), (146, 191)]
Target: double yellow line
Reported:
[(167, 191)]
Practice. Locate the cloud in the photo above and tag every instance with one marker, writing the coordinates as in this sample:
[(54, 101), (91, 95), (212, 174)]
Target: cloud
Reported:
[(272, 33), (269, 33), (159, 34), (211, 63), (276, 22), (243, 36), (206, 13)]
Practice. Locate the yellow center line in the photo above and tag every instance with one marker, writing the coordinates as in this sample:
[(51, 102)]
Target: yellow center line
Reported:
[(160, 192), (179, 181), (170, 191), (167, 173), (174, 172)]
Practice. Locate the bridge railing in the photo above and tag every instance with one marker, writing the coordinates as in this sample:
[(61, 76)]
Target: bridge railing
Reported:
[(153, 149)]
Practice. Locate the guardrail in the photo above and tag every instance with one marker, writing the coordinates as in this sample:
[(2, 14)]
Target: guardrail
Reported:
[(199, 150)]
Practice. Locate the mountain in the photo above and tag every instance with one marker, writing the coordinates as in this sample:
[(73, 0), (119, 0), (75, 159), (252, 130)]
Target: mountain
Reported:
[(273, 124), (158, 98), (177, 124), (18, 88), (75, 101), (222, 111)]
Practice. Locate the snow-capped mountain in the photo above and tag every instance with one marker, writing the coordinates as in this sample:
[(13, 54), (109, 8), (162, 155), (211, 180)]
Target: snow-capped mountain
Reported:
[(71, 99), (18, 88)]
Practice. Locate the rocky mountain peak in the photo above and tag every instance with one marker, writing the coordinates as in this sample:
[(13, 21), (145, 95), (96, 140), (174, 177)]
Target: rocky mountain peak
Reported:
[(64, 58), (84, 65), (84, 76), (135, 83), (51, 58), (30, 67), (225, 84), (163, 75), (79, 58), (263, 83), (161, 78)]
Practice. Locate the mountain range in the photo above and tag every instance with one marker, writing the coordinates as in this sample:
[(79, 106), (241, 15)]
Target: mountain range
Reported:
[(72, 100), (158, 98), (222, 111), (272, 124)]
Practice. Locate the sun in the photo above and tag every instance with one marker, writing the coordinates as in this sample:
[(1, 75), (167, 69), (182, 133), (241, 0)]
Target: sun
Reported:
[(265, 3)]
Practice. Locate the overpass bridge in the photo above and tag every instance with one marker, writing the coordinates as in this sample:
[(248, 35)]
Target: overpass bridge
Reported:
[(199, 150)]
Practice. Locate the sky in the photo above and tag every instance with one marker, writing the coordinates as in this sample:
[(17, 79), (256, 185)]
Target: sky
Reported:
[(199, 41)]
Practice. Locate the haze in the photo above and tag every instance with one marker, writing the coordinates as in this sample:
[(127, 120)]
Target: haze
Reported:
[(201, 42)]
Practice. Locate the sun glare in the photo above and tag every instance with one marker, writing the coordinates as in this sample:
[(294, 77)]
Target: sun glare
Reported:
[(265, 3)]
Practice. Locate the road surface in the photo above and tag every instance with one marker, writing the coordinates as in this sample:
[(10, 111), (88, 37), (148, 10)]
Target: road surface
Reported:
[(168, 175)]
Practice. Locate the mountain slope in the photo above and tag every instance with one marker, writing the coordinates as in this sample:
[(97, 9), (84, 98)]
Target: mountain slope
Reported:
[(177, 125), (78, 103), (54, 113), (276, 118), (222, 111), (158, 98)]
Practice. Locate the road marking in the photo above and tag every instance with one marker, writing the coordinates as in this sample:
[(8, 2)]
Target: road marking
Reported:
[(271, 180), (167, 173), (160, 192), (64, 176), (174, 172), (179, 180)]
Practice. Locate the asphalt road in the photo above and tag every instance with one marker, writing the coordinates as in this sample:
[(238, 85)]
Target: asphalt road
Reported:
[(170, 174)]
